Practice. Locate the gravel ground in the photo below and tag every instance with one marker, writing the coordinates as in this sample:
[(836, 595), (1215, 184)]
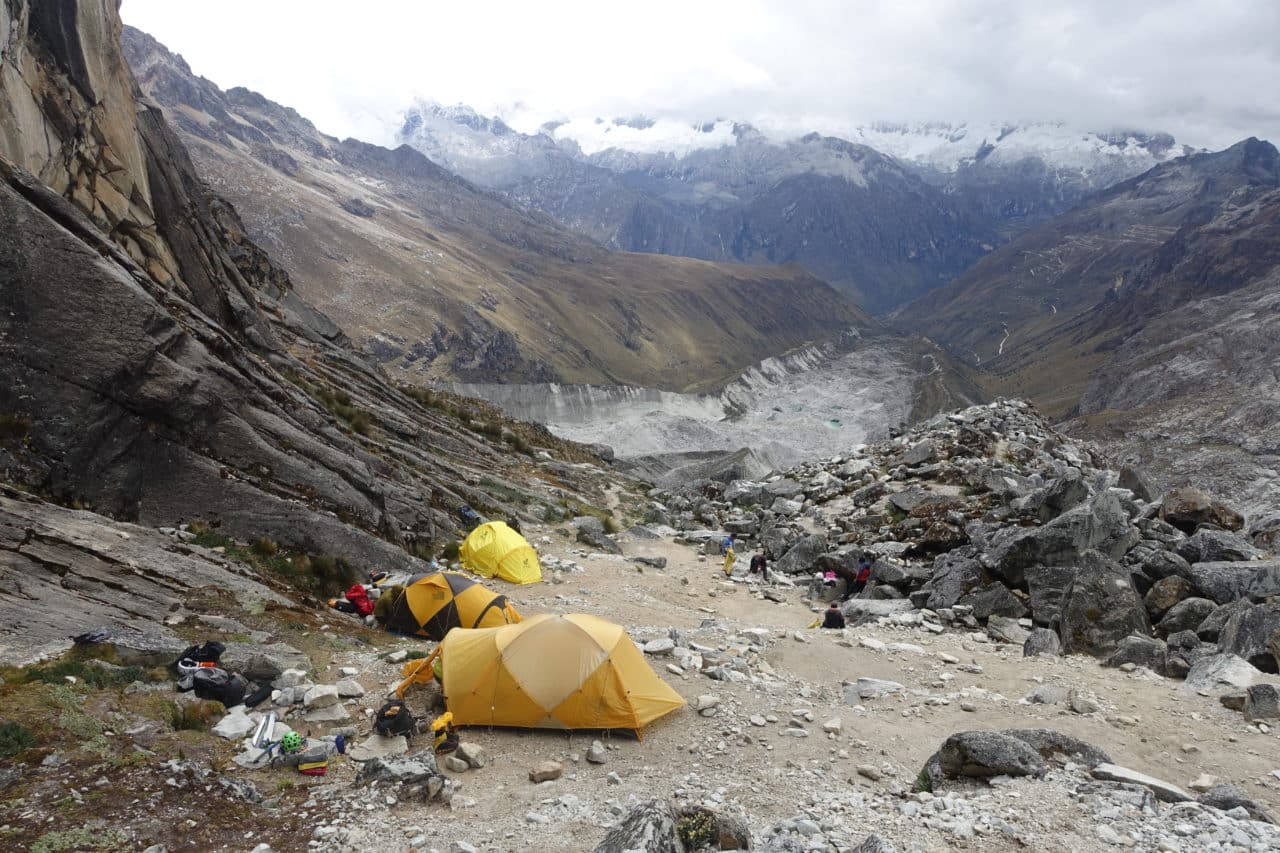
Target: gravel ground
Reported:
[(808, 769)]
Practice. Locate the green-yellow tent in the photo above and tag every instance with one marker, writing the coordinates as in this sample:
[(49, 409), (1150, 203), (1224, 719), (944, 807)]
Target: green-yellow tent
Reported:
[(495, 550)]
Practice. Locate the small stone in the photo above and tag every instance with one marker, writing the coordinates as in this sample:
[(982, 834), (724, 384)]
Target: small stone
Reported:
[(320, 696), (397, 656), (833, 726), (473, 754), (1128, 666), (456, 847), (757, 720), (348, 687), (661, 646), (1203, 782), (1080, 703), (455, 764), (613, 778), (596, 754), (546, 771), (705, 701), (1107, 834), (349, 671), (870, 771)]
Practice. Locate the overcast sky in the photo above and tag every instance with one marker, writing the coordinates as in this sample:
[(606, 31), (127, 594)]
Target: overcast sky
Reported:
[(1205, 70)]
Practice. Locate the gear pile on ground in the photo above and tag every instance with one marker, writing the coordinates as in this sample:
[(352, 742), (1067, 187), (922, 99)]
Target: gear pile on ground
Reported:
[(987, 518)]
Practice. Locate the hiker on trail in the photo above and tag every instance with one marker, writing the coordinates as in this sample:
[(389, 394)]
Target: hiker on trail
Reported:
[(760, 565), (832, 617), (864, 575), (726, 548)]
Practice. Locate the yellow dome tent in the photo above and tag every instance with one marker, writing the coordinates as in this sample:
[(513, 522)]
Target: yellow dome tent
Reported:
[(431, 605), (552, 672), (494, 549)]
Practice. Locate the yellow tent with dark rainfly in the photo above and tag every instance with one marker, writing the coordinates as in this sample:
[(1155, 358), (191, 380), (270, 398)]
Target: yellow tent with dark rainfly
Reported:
[(495, 550), (431, 605), (552, 672)]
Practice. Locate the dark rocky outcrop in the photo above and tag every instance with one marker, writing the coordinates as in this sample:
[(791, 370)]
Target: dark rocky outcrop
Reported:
[(1100, 608)]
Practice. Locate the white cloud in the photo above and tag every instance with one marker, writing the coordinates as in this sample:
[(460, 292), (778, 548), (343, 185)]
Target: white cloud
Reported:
[(1204, 70)]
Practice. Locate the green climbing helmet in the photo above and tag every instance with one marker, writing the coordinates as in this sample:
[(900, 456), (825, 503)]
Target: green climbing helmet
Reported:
[(291, 742)]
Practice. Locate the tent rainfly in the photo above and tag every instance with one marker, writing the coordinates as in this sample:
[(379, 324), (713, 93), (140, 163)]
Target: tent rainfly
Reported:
[(432, 605), (495, 550), (555, 672)]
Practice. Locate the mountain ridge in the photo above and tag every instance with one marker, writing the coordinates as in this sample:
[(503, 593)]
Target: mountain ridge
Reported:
[(883, 226), (471, 287)]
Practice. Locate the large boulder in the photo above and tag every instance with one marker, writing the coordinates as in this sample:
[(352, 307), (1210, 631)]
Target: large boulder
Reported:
[(648, 826), (1248, 634), (994, 599), (1068, 491), (1100, 525), (1051, 742), (1165, 593), (1186, 508), (1140, 651), (1224, 582), (776, 539), (985, 754), (801, 557), (1042, 641), (954, 575), (1047, 585), (598, 540), (1100, 608), (1265, 532), (1210, 546), (745, 493), (1162, 564), (1228, 797), (1137, 482), (1211, 628), (1186, 615), (1220, 673), (1264, 583)]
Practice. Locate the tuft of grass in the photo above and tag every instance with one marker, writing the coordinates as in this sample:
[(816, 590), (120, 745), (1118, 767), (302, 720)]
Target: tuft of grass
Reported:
[(194, 716), (87, 672), (15, 738), (264, 547)]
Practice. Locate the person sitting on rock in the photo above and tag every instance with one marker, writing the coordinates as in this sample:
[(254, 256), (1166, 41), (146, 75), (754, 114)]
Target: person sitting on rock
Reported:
[(832, 617)]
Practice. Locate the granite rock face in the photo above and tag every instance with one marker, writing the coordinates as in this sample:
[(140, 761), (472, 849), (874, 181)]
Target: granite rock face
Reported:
[(155, 364)]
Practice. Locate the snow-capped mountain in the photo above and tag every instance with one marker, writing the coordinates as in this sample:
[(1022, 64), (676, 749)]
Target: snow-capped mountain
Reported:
[(884, 211)]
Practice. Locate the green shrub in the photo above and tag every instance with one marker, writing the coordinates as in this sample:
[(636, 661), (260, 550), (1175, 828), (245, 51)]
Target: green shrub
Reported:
[(14, 738), (451, 551)]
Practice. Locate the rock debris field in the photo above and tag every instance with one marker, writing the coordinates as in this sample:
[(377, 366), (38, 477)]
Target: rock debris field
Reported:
[(1050, 656)]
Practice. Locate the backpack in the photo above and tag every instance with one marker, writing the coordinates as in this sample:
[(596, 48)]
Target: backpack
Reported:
[(393, 719), (206, 653), (214, 683)]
